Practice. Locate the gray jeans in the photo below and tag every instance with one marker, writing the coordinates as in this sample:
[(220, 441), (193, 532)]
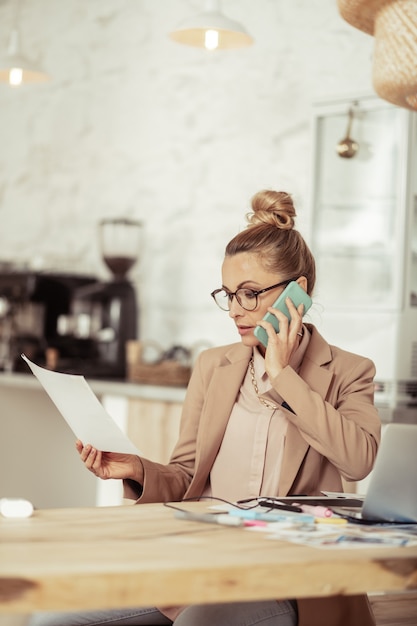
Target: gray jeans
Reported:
[(267, 613)]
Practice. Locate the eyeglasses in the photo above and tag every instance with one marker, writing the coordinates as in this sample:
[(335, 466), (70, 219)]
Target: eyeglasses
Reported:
[(247, 298)]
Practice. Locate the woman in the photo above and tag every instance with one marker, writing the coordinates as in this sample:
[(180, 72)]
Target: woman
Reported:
[(293, 418)]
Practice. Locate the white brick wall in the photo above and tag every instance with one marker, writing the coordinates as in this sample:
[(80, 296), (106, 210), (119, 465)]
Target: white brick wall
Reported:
[(134, 124)]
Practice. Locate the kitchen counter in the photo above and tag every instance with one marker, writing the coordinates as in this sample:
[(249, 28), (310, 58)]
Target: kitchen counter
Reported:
[(123, 388), (166, 393)]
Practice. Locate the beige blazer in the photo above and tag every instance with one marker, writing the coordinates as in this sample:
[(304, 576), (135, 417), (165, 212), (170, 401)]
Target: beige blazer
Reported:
[(333, 432)]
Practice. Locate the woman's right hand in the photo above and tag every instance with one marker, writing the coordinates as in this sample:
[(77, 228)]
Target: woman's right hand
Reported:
[(107, 465)]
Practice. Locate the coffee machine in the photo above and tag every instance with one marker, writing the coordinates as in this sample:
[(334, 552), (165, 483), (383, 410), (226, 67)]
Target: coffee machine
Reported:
[(74, 323), (106, 312), (31, 305)]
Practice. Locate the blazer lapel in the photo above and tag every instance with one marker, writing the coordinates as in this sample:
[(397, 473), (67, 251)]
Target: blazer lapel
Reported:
[(319, 379), (224, 387)]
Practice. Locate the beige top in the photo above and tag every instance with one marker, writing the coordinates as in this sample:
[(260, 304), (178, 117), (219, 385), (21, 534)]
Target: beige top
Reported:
[(248, 463)]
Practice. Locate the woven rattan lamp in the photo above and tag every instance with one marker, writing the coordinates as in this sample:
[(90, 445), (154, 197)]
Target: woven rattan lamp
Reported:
[(393, 23)]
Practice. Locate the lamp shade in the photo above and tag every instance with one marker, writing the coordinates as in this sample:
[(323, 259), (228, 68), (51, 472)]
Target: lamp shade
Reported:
[(16, 69), (393, 23), (211, 29)]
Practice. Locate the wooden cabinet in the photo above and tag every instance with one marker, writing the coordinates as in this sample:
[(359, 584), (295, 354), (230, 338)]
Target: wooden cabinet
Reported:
[(153, 426)]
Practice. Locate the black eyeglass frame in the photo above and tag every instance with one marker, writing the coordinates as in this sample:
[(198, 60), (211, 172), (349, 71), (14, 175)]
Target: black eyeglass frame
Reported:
[(255, 292)]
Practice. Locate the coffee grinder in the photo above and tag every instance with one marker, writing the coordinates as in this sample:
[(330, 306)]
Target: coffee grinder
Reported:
[(107, 312)]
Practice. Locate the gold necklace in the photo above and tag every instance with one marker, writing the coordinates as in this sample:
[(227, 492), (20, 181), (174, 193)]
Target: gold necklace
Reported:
[(255, 386)]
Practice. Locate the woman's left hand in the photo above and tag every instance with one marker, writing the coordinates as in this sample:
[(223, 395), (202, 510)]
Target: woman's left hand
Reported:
[(281, 345), (107, 465)]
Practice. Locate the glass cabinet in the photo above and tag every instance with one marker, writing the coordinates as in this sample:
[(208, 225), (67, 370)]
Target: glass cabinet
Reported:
[(364, 235)]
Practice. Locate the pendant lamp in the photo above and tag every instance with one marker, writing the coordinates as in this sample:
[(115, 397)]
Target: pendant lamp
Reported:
[(393, 24), (211, 30), (15, 68)]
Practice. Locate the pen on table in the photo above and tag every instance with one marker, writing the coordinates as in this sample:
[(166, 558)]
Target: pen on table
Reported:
[(331, 520), (317, 511), (280, 506), (322, 514), (223, 519), (272, 516)]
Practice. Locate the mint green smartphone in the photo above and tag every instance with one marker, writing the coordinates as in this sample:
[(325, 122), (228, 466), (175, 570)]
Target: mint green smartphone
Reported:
[(297, 295)]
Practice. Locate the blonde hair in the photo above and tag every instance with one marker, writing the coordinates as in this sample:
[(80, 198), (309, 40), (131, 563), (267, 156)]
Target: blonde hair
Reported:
[(271, 235)]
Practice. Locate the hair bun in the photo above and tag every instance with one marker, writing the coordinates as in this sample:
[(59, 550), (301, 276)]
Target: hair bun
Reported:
[(274, 208)]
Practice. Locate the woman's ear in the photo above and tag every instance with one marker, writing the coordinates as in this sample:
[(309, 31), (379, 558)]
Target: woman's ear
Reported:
[(302, 281)]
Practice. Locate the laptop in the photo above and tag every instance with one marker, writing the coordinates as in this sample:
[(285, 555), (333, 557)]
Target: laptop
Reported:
[(391, 496), (392, 492)]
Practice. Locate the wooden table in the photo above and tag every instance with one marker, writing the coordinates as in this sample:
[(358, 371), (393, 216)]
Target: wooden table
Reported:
[(86, 558)]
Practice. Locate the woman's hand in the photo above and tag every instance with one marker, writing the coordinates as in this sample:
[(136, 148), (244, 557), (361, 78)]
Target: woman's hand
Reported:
[(281, 345), (110, 464)]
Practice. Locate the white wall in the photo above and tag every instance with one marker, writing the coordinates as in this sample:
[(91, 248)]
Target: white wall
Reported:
[(134, 124)]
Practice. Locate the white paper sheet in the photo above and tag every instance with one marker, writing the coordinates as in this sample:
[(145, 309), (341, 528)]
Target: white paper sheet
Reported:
[(82, 410)]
